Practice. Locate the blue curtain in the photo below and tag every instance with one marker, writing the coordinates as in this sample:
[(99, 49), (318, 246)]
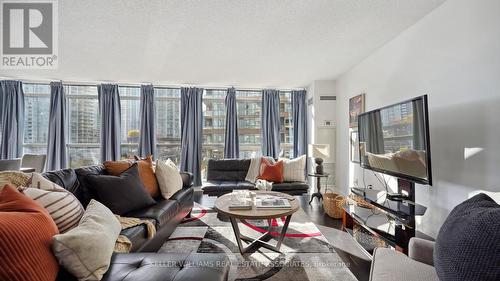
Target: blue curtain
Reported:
[(110, 112), (147, 139), (56, 142), (191, 131), (270, 123), (231, 139), (299, 116), (11, 119)]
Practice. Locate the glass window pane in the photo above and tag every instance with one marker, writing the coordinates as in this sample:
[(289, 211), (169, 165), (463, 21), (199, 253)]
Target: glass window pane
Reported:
[(130, 120), (83, 156), (286, 124), (168, 124), (214, 123), (248, 104), (36, 117)]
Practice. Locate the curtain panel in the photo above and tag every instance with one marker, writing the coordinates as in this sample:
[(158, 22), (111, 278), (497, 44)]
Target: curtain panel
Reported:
[(147, 139), (56, 142), (191, 132), (231, 139), (270, 123), (11, 119), (299, 116), (110, 112)]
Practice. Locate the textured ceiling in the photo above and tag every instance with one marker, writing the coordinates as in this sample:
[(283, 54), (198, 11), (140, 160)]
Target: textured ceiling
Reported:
[(252, 43)]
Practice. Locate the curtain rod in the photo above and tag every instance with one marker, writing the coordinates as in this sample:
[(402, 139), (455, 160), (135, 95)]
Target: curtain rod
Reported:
[(130, 84)]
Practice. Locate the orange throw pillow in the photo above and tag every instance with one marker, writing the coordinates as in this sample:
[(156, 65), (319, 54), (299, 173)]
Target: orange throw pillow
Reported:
[(26, 231), (271, 172), (146, 172)]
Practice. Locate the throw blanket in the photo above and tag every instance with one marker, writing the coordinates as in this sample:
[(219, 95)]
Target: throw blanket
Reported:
[(123, 244), (264, 185), (254, 169)]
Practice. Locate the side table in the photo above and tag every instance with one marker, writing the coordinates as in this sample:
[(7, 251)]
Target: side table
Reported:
[(318, 185)]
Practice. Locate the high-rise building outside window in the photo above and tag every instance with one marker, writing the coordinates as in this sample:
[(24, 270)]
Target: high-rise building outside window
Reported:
[(214, 123), (248, 104), (130, 120), (83, 125), (36, 117), (286, 125), (168, 124)]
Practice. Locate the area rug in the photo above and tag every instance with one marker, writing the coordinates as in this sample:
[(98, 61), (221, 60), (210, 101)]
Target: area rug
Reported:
[(306, 253)]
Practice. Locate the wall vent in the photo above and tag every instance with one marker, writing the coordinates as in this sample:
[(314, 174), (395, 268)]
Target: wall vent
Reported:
[(327, 97)]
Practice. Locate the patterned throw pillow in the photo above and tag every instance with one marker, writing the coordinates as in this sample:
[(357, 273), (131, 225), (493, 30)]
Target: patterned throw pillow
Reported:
[(62, 205), (14, 178), (294, 169)]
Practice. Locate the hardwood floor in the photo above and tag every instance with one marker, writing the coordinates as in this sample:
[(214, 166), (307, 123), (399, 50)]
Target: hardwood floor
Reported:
[(357, 260)]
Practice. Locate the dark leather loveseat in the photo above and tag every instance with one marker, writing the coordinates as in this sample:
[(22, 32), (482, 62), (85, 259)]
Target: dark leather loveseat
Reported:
[(166, 215), (224, 176)]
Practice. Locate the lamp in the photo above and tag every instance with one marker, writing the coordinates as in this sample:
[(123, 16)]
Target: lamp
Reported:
[(318, 152)]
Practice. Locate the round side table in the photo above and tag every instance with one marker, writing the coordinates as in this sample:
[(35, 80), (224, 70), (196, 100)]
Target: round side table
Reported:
[(318, 185)]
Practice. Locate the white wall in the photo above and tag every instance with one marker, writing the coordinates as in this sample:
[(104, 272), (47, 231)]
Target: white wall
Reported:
[(453, 55)]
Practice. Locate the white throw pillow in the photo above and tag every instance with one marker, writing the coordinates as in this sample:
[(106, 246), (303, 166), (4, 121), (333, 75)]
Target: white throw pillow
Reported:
[(294, 169), (62, 205), (85, 251), (168, 177)]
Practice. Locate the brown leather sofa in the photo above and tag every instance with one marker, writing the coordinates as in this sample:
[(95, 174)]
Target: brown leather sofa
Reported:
[(143, 263)]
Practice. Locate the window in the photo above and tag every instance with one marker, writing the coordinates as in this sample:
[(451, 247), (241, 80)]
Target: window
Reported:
[(286, 125), (84, 125), (214, 123), (248, 104), (130, 120), (36, 117), (168, 124)]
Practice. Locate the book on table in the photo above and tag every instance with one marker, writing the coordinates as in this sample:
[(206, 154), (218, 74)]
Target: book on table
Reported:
[(240, 205), (272, 202)]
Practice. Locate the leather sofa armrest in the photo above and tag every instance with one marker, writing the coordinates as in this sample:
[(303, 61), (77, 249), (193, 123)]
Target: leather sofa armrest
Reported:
[(187, 179), (421, 250)]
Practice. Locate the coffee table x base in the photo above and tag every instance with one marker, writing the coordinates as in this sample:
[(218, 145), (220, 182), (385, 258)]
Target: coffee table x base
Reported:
[(259, 242)]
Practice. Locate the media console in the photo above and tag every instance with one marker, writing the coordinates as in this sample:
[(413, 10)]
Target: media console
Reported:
[(383, 222)]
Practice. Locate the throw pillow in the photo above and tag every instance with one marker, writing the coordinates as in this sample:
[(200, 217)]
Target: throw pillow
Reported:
[(467, 246), (14, 178), (123, 193), (272, 172), (294, 169), (169, 178), (85, 251), (61, 204), (26, 231), (146, 172)]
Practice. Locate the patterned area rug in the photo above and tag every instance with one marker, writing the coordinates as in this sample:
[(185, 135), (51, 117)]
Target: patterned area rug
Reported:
[(306, 253)]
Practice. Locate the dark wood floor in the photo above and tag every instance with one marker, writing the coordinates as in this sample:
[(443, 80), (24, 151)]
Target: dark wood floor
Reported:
[(346, 247)]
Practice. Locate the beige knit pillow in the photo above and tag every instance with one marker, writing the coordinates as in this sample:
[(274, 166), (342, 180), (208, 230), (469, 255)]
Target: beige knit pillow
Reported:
[(14, 178), (85, 251)]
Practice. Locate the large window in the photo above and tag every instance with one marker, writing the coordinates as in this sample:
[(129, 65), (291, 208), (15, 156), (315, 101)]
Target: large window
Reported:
[(248, 104), (130, 120), (168, 124), (214, 111), (286, 125), (84, 125), (36, 117)]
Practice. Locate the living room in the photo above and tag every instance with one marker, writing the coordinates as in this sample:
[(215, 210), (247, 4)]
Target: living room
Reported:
[(250, 140)]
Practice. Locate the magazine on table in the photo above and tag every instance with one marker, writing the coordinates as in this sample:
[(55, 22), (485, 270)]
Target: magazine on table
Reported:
[(272, 202)]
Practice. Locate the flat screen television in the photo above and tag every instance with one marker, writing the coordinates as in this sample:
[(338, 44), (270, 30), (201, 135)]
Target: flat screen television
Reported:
[(394, 140)]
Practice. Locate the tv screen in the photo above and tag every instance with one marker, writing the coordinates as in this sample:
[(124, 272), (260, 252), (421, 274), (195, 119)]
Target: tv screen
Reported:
[(395, 140)]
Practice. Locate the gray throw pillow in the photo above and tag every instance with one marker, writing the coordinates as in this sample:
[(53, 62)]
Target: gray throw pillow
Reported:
[(468, 243), (123, 193)]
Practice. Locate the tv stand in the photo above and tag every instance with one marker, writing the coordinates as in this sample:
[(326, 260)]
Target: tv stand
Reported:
[(389, 220)]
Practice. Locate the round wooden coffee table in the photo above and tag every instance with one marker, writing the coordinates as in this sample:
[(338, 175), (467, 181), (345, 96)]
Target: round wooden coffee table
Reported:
[(222, 206)]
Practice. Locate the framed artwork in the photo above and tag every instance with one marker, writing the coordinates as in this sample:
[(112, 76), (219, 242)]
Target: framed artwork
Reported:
[(356, 106), (354, 146)]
